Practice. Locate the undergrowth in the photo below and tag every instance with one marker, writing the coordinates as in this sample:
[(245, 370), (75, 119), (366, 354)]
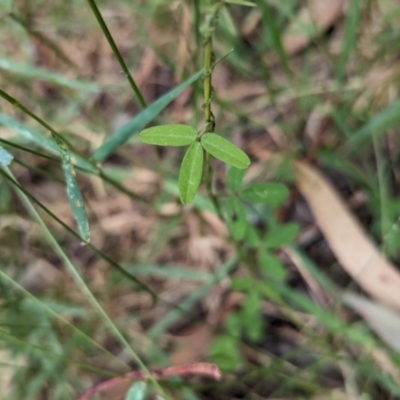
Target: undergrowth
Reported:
[(118, 255)]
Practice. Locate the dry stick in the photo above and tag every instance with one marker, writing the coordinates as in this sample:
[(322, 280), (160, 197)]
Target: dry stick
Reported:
[(202, 369)]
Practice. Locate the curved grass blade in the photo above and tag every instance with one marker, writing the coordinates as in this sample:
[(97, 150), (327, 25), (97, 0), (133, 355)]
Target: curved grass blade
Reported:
[(269, 193), (271, 28), (40, 140), (30, 72), (5, 157), (73, 192), (224, 150), (384, 120), (349, 37), (190, 172), (123, 134), (169, 135)]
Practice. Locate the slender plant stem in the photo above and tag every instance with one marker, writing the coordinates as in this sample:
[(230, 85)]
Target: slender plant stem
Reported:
[(17, 104), (208, 65), (207, 88), (116, 52)]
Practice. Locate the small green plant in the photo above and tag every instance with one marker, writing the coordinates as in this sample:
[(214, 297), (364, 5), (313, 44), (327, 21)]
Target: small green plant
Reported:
[(192, 164)]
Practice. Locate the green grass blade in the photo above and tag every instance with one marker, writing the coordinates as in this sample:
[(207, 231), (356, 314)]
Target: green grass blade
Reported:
[(5, 157), (386, 119), (38, 139), (116, 52), (80, 282), (73, 192), (123, 134), (30, 72), (349, 37), (275, 35), (185, 306), (169, 272)]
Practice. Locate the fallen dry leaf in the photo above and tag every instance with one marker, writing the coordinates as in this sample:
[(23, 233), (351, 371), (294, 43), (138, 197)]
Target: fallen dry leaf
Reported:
[(352, 246), (314, 17)]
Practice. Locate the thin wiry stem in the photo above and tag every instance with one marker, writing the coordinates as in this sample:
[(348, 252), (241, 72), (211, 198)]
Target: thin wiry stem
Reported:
[(116, 52)]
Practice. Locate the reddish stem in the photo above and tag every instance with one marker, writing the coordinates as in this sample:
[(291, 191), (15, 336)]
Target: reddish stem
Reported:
[(203, 369)]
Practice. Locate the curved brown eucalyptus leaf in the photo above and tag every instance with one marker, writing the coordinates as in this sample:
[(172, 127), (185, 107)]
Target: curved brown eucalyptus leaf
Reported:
[(352, 246)]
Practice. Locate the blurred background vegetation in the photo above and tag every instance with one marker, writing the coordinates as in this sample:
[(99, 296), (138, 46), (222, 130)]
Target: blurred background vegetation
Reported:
[(300, 305)]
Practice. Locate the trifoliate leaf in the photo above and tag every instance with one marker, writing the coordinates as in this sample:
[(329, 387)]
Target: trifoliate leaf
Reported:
[(169, 135)]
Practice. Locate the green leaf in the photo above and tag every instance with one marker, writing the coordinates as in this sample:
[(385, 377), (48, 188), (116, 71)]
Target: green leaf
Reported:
[(280, 235), (271, 265), (224, 150), (251, 316), (5, 157), (270, 193), (123, 134), (30, 72), (38, 139), (137, 391), (235, 217), (349, 38), (169, 135), (73, 192), (251, 237), (190, 172), (235, 178), (224, 351)]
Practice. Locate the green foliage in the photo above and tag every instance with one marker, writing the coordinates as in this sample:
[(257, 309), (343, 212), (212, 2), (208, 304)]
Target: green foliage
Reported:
[(281, 234), (225, 353), (235, 217), (190, 172), (5, 157), (234, 178), (271, 193), (123, 134), (169, 135), (224, 150), (137, 391), (58, 352), (272, 267), (73, 192), (192, 164)]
